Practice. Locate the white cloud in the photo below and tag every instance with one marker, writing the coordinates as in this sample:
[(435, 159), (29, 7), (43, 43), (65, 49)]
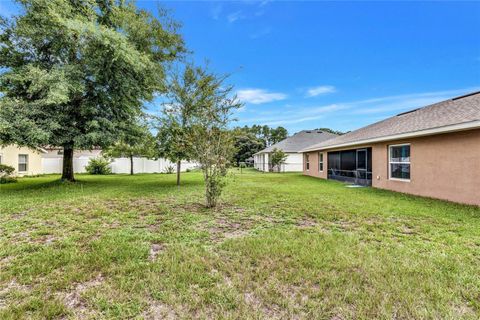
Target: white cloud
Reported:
[(366, 111), (329, 108), (404, 102), (216, 11), (259, 96), (261, 33), (283, 122), (316, 91), (237, 15)]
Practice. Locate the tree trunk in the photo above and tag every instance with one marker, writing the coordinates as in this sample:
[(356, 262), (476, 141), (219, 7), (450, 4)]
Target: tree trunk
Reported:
[(179, 167), (131, 164), (67, 170)]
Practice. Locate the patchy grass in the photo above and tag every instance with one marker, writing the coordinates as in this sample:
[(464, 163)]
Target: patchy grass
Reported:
[(279, 246)]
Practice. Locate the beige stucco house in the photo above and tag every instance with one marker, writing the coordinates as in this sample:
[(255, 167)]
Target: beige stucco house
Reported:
[(291, 146), (26, 161), (432, 151)]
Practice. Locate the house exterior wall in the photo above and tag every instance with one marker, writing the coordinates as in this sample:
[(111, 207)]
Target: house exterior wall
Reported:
[(314, 167), (9, 156), (444, 166), (260, 161), (293, 163)]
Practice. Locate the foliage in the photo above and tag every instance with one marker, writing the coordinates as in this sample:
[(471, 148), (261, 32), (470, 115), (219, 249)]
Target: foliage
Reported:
[(7, 179), (246, 145), (269, 135), (99, 165), (74, 72), (169, 169), (135, 140), (331, 131), (174, 127), (6, 174), (250, 140), (277, 158), (210, 140), (278, 134), (6, 170)]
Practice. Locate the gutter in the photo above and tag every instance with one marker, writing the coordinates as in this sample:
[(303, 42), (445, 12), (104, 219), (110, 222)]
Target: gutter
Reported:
[(475, 124)]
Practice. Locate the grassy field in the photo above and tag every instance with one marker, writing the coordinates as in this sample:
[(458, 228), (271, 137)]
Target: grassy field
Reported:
[(280, 246)]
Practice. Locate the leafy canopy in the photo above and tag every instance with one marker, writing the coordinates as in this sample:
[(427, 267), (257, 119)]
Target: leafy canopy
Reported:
[(209, 137), (135, 140), (75, 72), (183, 99)]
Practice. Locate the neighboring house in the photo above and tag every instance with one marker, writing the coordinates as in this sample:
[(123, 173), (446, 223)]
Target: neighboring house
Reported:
[(432, 151), (291, 146), (26, 161)]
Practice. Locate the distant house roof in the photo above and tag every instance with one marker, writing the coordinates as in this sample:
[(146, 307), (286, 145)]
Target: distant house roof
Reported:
[(300, 140), (460, 113)]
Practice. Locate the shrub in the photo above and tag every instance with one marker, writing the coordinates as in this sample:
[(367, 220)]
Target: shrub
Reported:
[(7, 179), (6, 174), (169, 170), (277, 158), (99, 166)]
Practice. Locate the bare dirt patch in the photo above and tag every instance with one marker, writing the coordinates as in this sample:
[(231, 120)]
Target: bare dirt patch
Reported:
[(155, 250), (223, 228), (8, 289), (407, 230), (269, 311), (74, 301), (160, 311), (306, 223), (46, 240)]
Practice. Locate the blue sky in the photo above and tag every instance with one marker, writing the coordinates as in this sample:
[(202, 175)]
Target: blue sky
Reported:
[(342, 65)]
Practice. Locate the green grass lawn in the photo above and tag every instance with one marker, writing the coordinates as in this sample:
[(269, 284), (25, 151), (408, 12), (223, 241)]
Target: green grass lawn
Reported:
[(280, 246)]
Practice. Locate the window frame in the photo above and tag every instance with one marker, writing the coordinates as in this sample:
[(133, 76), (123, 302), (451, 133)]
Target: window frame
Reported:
[(25, 163), (307, 162), (320, 163), (398, 162)]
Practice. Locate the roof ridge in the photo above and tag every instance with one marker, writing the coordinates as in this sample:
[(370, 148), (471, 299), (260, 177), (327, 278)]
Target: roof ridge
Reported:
[(439, 114), (465, 95)]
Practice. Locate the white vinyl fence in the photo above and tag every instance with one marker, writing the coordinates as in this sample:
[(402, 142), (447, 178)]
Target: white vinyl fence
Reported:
[(118, 165)]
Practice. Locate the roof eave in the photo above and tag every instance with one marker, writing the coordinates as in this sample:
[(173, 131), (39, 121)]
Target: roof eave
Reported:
[(427, 132)]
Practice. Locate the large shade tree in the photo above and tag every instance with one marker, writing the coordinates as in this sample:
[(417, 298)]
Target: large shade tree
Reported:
[(74, 72)]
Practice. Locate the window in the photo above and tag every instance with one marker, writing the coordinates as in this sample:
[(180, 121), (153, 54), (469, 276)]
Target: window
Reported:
[(307, 162), (22, 162), (399, 162), (320, 161)]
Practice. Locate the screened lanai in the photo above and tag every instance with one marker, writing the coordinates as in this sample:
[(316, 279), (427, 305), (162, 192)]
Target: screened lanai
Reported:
[(354, 166)]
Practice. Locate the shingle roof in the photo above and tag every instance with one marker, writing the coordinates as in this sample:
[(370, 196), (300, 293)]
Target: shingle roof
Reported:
[(300, 140), (463, 109)]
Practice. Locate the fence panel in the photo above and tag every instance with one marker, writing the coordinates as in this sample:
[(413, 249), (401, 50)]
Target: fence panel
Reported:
[(118, 165)]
